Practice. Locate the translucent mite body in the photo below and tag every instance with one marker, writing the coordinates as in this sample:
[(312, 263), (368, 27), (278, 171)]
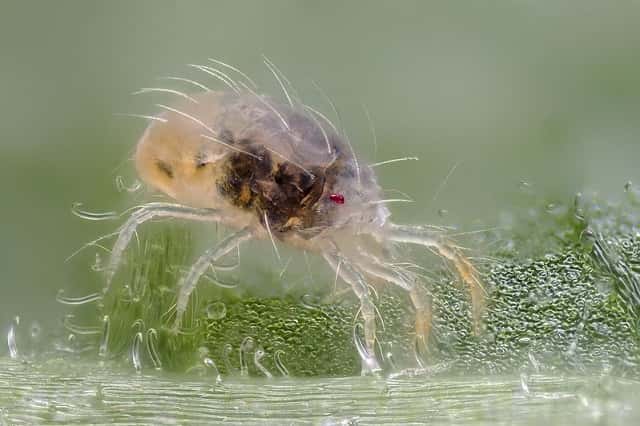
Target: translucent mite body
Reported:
[(280, 171)]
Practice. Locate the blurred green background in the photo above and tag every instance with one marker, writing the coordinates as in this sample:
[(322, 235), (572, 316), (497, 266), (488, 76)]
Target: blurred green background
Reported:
[(543, 92)]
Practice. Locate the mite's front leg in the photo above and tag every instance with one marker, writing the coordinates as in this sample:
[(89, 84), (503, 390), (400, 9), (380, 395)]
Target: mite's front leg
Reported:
[(148, 212), (351, 276), (190, 280), (434, 239), (420, 299)]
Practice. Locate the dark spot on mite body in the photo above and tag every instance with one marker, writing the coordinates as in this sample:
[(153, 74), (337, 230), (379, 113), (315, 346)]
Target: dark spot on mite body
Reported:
[(291, 177), (289, 196), (239, 174), (165, 168), (282, 191), (201, 160)]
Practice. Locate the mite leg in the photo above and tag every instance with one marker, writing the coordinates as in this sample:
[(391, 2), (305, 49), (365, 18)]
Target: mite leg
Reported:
[(148, 212), (420, 299), (190, 280), (434, 239), (359, 286)]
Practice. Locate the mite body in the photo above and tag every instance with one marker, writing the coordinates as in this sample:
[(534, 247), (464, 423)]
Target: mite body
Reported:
[(280, 171)]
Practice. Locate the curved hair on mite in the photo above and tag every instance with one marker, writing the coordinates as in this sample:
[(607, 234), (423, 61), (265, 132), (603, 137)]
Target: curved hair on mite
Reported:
[(279, 170)]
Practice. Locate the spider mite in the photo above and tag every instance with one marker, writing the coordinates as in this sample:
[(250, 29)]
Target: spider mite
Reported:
[(279, 170)]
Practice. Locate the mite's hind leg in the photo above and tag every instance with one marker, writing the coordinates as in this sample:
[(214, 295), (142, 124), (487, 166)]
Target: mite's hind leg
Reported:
[(351, 276), (148, 212), (434, 239), (190, 280), (408, 281)]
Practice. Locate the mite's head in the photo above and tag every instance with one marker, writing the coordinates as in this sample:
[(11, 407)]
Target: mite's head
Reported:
[(173, 157), (350, 199)]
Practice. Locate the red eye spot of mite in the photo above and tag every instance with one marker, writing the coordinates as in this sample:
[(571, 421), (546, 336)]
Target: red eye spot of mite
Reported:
[(337, 198)]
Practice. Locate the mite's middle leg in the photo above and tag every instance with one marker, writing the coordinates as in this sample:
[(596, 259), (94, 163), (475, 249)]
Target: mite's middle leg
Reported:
[(351, 276), (408, 281), (190, 280)]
